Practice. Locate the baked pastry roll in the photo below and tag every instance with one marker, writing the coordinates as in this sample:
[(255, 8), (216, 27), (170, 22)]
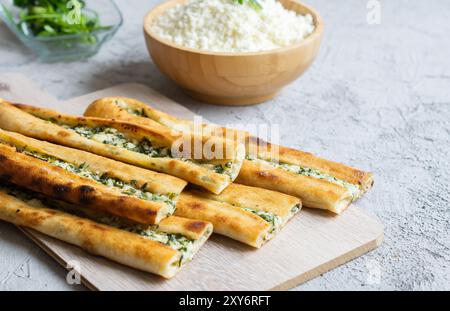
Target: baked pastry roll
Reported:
[(247, 214), (210, 162), (83, 178), (161, 249), (318, 182)]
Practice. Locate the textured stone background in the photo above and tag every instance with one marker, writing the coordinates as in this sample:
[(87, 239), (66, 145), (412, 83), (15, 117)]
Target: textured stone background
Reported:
[(378, 97)]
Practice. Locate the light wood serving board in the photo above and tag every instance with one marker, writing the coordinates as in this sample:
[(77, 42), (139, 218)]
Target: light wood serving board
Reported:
[(311, 244)]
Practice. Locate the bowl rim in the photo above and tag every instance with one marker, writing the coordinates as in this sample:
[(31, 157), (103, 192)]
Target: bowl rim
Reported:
[(112, 28), (316, 34)]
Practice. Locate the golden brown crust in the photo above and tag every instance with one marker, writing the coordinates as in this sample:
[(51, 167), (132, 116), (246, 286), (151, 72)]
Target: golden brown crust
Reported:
[(191, 228), (313, 192), (14, 119), (163, 138), (118, 245), (160, 137), (153, 114), (227, 220), (144, 179), (40, 176), (106, 107), (305, 159), (255, 198)]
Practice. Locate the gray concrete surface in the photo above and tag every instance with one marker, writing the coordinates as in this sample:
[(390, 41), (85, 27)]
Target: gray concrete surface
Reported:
[(378, 97)]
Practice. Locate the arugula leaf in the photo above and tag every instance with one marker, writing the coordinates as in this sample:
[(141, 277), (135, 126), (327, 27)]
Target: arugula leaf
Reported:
[(46, 18)]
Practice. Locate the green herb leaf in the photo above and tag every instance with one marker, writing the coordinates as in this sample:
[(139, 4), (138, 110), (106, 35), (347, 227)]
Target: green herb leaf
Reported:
[(44, 18)]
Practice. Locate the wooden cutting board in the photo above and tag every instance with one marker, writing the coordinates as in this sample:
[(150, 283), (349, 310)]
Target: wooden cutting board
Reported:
[(311, 244)]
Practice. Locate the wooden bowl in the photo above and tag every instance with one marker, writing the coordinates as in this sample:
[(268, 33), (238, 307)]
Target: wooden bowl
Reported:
[(233, 78)]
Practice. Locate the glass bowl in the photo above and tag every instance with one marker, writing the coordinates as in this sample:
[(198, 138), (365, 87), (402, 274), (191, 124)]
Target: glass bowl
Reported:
[(66, 47)]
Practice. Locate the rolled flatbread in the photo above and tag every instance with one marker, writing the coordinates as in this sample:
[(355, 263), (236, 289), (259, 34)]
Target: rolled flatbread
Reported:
[(213, 168), (134, 111), (318, 182), (247, 214), (80, 177), (161, 250)]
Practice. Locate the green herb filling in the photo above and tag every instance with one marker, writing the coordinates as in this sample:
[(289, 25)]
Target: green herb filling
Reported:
[(126, 188), (111, 136), (177, 242), (137, 112), (311, 172)]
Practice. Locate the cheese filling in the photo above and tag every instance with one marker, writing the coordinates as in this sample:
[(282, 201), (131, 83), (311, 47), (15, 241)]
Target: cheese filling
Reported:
[(111, 136), (126, 188), (276, 222), (178, 242), (226, 168), (134, 111), (311, 172), (232, 26)]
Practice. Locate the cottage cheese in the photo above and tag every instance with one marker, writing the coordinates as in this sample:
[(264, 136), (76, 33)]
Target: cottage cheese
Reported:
[(227, 26)]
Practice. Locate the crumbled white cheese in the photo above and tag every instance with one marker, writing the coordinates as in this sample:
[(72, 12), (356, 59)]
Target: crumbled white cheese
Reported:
[(227, 26)]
